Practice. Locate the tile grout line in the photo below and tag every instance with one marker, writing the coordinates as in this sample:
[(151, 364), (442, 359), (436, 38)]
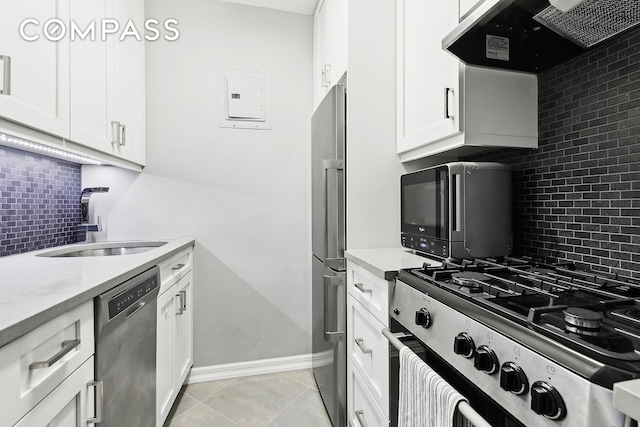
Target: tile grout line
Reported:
[(290, 403)]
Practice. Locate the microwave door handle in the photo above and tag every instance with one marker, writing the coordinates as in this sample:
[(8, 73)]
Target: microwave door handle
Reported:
[(456, 215), (334, 212)]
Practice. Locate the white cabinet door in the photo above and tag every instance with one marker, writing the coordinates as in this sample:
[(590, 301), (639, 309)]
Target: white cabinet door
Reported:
[(89, 87), (184, 328), (339, 36), (165, 376), (427, 76), (127, 70), (37, 74), (322, 49), (69, 405)]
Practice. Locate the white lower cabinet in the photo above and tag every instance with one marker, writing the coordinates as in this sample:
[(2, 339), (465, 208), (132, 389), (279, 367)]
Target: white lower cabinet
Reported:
[(367, 348), (363, 411), (71, 404), (34, 366), (175, 332)]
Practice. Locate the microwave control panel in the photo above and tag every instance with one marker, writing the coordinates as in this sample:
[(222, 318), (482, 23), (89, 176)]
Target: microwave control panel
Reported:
[(425, 245)]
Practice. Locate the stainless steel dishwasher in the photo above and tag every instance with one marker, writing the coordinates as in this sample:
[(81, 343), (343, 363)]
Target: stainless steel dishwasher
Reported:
[(126, 320)]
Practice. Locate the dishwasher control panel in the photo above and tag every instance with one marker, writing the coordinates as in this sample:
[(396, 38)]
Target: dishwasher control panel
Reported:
[(129, 296)]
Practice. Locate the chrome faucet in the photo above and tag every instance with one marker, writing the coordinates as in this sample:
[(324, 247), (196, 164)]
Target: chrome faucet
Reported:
[(84, 204)]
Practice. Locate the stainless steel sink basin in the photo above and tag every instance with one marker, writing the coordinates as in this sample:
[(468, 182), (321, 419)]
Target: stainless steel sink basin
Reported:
[(103, 249)]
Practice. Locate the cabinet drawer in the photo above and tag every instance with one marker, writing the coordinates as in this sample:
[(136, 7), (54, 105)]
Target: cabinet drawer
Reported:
[(368, 351), (369, 290), (24, 383), (362, 409), (172, 269)]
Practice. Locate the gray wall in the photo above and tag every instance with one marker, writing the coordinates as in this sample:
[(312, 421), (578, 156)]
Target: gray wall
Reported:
[(243, 194), (577, 197)]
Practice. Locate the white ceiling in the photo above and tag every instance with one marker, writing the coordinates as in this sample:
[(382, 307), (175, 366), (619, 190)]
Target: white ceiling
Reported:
[(306, 7)]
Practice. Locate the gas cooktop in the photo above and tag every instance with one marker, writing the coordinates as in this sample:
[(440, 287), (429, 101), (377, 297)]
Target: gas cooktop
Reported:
[(589, 313)]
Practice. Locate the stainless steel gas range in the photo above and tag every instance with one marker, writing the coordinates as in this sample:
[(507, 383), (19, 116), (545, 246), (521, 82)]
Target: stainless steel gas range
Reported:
[(528, 343)]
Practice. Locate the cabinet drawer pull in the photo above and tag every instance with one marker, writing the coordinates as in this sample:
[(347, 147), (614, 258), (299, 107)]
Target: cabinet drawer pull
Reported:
[(178, 267), (182, 307), (362, 289), (360, 343), (67, 346), (360, 417), (6, 79), (99, 385)]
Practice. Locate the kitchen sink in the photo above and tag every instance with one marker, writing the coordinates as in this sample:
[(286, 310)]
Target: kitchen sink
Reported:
[(102, 249)]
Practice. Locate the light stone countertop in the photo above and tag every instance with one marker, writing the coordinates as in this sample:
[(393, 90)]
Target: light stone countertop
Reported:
[(34, 289), (385, 263), (626, 398)]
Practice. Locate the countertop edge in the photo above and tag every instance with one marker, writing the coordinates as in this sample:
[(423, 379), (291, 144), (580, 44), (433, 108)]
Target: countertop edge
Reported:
[(24, 326), (370, 260)]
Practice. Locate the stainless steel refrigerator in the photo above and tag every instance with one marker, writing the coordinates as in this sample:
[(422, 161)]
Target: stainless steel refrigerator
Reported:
[(328, 140)]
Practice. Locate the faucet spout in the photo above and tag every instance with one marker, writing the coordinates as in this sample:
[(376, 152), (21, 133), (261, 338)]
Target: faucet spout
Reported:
[(85, 196)]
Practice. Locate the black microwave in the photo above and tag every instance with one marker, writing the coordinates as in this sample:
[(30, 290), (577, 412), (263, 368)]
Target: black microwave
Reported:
[(459, 210)]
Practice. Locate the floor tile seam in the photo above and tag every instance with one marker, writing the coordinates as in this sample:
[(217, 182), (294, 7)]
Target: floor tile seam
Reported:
[(282, 374), (215, 392), (206, 406), (288, 405)]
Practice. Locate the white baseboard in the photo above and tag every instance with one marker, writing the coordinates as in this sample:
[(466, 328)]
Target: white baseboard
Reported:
[(246, 369)]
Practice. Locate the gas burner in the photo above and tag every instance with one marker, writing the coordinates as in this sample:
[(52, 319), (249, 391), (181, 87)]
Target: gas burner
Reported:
[(470, 280), (582, 321)]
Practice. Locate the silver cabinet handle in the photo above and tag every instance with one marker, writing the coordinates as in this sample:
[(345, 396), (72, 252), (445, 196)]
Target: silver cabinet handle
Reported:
[(326, 75), (67, 346), (178, 267), (446, 103), (360, 343), (182, 307), (123, 133), (361, 288), (115, 129), (331, 281), (6, 80), (99, 385), (360, 417)]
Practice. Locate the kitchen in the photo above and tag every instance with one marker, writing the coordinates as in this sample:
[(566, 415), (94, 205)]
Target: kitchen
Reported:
[(239, 221)]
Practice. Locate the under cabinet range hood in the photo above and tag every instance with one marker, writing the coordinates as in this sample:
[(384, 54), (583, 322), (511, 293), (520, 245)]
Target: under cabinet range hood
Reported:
[(534, 35)]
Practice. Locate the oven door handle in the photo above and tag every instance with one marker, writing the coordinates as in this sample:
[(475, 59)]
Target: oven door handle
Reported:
[(332, 282)]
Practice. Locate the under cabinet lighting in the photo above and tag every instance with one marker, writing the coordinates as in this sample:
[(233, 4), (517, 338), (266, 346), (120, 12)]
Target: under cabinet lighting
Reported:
[(35, 147)]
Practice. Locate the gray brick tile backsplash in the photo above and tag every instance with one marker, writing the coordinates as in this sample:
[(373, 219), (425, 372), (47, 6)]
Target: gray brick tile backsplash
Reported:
[(577, 197), (39, 201)]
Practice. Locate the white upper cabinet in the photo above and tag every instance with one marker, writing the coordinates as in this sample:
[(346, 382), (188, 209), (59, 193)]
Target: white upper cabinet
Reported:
[(443, 105), (34, 75), (107, 81), (329, 46), (128, 83)]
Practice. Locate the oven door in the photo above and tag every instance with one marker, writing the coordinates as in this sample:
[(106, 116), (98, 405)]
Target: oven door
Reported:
[(481, 402)]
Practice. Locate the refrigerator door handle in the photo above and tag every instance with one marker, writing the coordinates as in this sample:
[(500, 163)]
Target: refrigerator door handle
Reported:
[(331, 282), (334, 205)]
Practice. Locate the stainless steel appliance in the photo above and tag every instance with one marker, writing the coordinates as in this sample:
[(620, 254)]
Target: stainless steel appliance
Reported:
[(126, 319), (457, 210), (533, 35), (328, 245), (529, 343)]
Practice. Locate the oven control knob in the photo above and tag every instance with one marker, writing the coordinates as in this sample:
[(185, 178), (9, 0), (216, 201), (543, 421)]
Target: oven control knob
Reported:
[(545, 400), (513, 379), (486, 360), (423, 318), (464, 345)]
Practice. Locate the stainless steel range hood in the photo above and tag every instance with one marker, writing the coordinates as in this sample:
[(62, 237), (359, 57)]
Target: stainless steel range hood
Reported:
[(534, 35)]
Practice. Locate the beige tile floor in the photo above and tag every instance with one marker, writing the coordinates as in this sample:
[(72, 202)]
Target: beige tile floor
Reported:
[(284, 399)]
